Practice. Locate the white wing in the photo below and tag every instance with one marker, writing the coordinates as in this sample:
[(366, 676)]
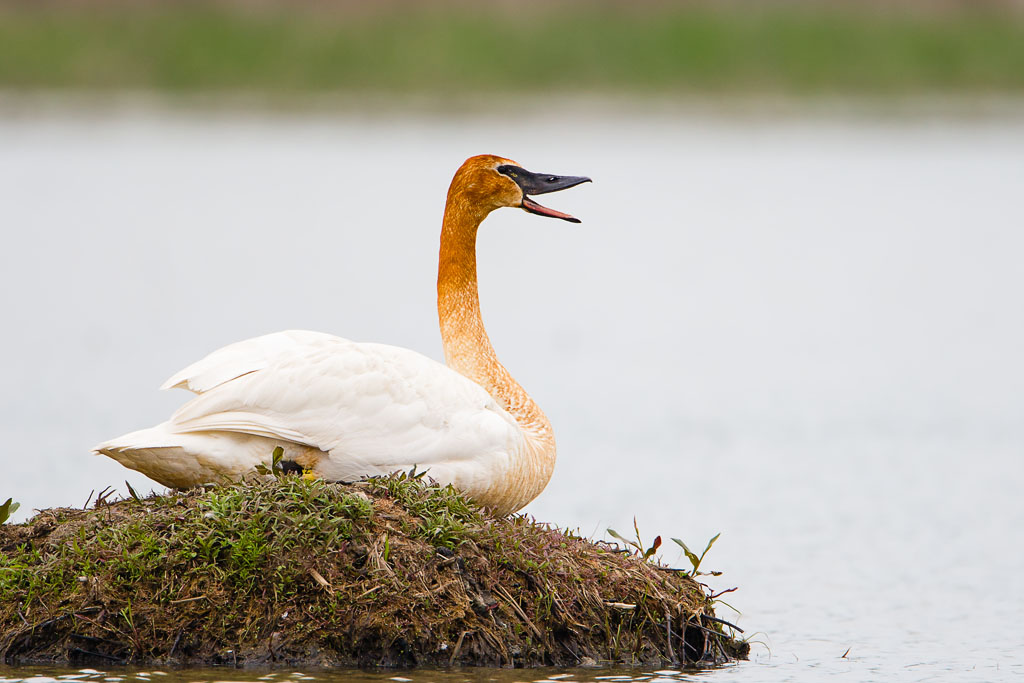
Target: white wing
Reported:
[(371, 407), (240, 358)]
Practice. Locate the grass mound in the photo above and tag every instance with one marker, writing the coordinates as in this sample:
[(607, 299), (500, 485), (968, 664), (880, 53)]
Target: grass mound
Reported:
[(387, 572)]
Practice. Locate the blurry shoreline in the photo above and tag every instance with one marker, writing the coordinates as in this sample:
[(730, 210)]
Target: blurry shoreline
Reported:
[(459, 50), (91, 104)]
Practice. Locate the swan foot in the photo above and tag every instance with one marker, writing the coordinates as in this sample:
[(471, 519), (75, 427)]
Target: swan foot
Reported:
[(291, 467), (294, 467)]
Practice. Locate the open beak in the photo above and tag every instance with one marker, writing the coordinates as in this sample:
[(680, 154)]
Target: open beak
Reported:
[(542, 183)]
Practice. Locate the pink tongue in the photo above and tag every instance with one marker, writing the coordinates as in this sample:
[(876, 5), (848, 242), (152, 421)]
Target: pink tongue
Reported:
[(534, 207)]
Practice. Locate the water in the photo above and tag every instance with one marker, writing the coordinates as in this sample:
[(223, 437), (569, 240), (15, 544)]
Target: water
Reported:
[(804, 334), (132, 675)]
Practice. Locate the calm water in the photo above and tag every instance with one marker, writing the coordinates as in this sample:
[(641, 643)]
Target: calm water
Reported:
[(130, 675), (805, 335)]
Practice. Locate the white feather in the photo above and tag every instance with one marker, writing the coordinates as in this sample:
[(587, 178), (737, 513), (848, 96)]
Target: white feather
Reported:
[(354, 409)]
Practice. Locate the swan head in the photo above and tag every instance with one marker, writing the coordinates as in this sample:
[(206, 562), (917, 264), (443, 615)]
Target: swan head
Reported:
[(491, 182)]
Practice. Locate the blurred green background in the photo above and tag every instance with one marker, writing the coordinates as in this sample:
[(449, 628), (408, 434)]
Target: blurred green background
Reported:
[(442, 48)]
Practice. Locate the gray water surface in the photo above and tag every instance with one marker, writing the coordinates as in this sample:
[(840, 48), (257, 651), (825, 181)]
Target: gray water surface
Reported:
[(467, 675), (804, 334)]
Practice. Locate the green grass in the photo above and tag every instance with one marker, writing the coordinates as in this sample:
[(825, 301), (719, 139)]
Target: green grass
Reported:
[(245, 536), (445, 50)]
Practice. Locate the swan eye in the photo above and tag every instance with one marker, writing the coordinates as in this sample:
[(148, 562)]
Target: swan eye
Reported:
[(552, 178)]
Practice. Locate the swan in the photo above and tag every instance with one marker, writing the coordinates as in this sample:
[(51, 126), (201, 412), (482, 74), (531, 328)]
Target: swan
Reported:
[(344, 410)]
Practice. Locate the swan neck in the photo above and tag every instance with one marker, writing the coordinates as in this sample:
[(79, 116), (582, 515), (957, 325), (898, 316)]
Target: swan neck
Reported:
[(468, 351), (467, 348)]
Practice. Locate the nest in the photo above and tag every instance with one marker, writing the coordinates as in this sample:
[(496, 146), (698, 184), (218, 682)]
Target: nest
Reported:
[(392, 572)]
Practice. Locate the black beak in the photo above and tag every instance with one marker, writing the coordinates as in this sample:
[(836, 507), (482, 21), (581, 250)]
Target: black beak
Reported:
[(542, 183)]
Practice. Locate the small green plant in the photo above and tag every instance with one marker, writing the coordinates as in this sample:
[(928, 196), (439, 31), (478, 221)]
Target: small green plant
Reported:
[(7, 509), (695, 560), (275, 468), (126, 614), (444, 516), (132, 492), (638, 544)]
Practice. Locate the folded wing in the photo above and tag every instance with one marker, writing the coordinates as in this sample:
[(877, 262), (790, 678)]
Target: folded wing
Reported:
[(370, 408)]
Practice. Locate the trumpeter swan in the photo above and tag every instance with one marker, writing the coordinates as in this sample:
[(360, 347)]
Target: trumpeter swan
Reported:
[(344, 410)]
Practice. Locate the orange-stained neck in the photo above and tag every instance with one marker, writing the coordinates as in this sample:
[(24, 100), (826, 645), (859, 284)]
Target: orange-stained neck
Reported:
[(467, 348)]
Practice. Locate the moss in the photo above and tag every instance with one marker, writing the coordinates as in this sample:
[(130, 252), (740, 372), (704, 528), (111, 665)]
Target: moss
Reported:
[(387, 572)]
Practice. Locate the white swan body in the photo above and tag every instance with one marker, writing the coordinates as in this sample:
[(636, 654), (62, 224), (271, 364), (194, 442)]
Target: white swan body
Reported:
[(342, 409), (345, 410)]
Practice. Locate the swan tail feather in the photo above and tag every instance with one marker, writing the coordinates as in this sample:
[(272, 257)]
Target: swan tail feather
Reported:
[(184, 460)]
